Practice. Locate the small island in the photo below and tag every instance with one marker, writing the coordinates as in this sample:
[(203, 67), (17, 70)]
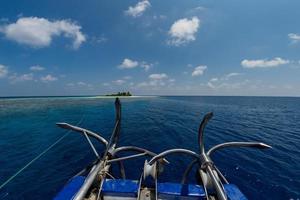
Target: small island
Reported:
[(123, 94)]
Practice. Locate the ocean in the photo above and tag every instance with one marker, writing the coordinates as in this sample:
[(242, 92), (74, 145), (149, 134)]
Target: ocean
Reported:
[(27, 128)]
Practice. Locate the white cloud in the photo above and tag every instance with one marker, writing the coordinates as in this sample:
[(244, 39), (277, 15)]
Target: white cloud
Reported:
[(122, 81), (106, 84), (198, 71), (233, 74), (214, 79), (26, 77), (20, 78), (294, 37), (223, 81), (81, 85), (158, 76), (142, 84), (39, 32), (37, 68), (162, 17), (3, 71), (98, 39), (138, 9), (119, 82), (146, 66), (128, 64), (228, 76), (156, 82), (184, 31), (211, 85), (48, 78), (264, 63), (201, 8), (227, 86)]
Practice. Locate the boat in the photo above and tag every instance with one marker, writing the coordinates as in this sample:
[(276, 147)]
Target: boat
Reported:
[(97, 181)]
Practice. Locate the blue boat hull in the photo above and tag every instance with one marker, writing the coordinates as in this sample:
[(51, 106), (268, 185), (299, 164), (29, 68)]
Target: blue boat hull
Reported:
[(128, 189)]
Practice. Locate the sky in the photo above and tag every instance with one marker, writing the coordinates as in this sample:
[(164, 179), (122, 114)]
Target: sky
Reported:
[(150, 47)]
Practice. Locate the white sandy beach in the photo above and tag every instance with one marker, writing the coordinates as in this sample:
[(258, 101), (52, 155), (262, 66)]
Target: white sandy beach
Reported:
[(123, 97)]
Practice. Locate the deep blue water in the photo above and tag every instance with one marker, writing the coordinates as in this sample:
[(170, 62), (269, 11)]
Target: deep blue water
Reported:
[(27, 127)]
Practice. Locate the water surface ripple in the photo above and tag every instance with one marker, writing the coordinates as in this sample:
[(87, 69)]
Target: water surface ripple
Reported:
[(27, 127)]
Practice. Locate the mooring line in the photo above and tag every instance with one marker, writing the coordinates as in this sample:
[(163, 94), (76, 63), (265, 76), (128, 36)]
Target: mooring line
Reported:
[(38, 156)]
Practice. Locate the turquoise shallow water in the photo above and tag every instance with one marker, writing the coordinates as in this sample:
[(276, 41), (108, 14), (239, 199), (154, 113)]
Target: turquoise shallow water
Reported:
[(27, 127)]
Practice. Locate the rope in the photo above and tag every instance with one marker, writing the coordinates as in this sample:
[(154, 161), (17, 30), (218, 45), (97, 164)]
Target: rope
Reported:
[(37, 157)]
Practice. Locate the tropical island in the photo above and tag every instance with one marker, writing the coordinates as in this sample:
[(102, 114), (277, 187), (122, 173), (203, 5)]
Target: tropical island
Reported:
[(124, 94)]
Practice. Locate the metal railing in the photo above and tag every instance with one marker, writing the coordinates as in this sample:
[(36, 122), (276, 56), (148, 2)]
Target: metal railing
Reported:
[(102, 166), (209, 173), (211, 177)]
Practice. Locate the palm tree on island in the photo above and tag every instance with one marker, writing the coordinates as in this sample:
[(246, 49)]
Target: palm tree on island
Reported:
[(127, 94)]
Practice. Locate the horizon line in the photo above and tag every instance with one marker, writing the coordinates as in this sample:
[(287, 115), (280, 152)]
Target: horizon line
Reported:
[(157, 95)]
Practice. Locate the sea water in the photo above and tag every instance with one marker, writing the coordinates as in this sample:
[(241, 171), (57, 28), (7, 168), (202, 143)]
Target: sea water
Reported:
[(27, 128)]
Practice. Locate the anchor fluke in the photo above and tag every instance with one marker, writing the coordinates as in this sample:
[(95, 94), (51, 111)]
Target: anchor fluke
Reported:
[(205, 120), (82, 131), (263, 146), (63, 125), (258, 145)]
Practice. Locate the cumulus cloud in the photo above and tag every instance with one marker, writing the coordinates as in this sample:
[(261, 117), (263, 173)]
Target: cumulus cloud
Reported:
[(184, 31), (122, 81), (128, 64), (294, 37), (227, 86), (156, 81), (198, 71), (80, 84), (228, 76), (98, 39), (37, 68), (119, 82), (158, 76), (200, 8), (146, 65), (48, 78), (222, 81), (211, 85), (264, 63), (39, 32), (106, 84), (3, 71), (214, 79), (138, 9), (20, 78), (227, 82)]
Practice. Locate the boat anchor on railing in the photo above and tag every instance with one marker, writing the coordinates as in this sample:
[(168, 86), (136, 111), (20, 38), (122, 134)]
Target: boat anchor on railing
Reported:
[(97, 181)]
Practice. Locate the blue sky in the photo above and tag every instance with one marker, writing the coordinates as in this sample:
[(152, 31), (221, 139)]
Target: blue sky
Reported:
[(155, 47)]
